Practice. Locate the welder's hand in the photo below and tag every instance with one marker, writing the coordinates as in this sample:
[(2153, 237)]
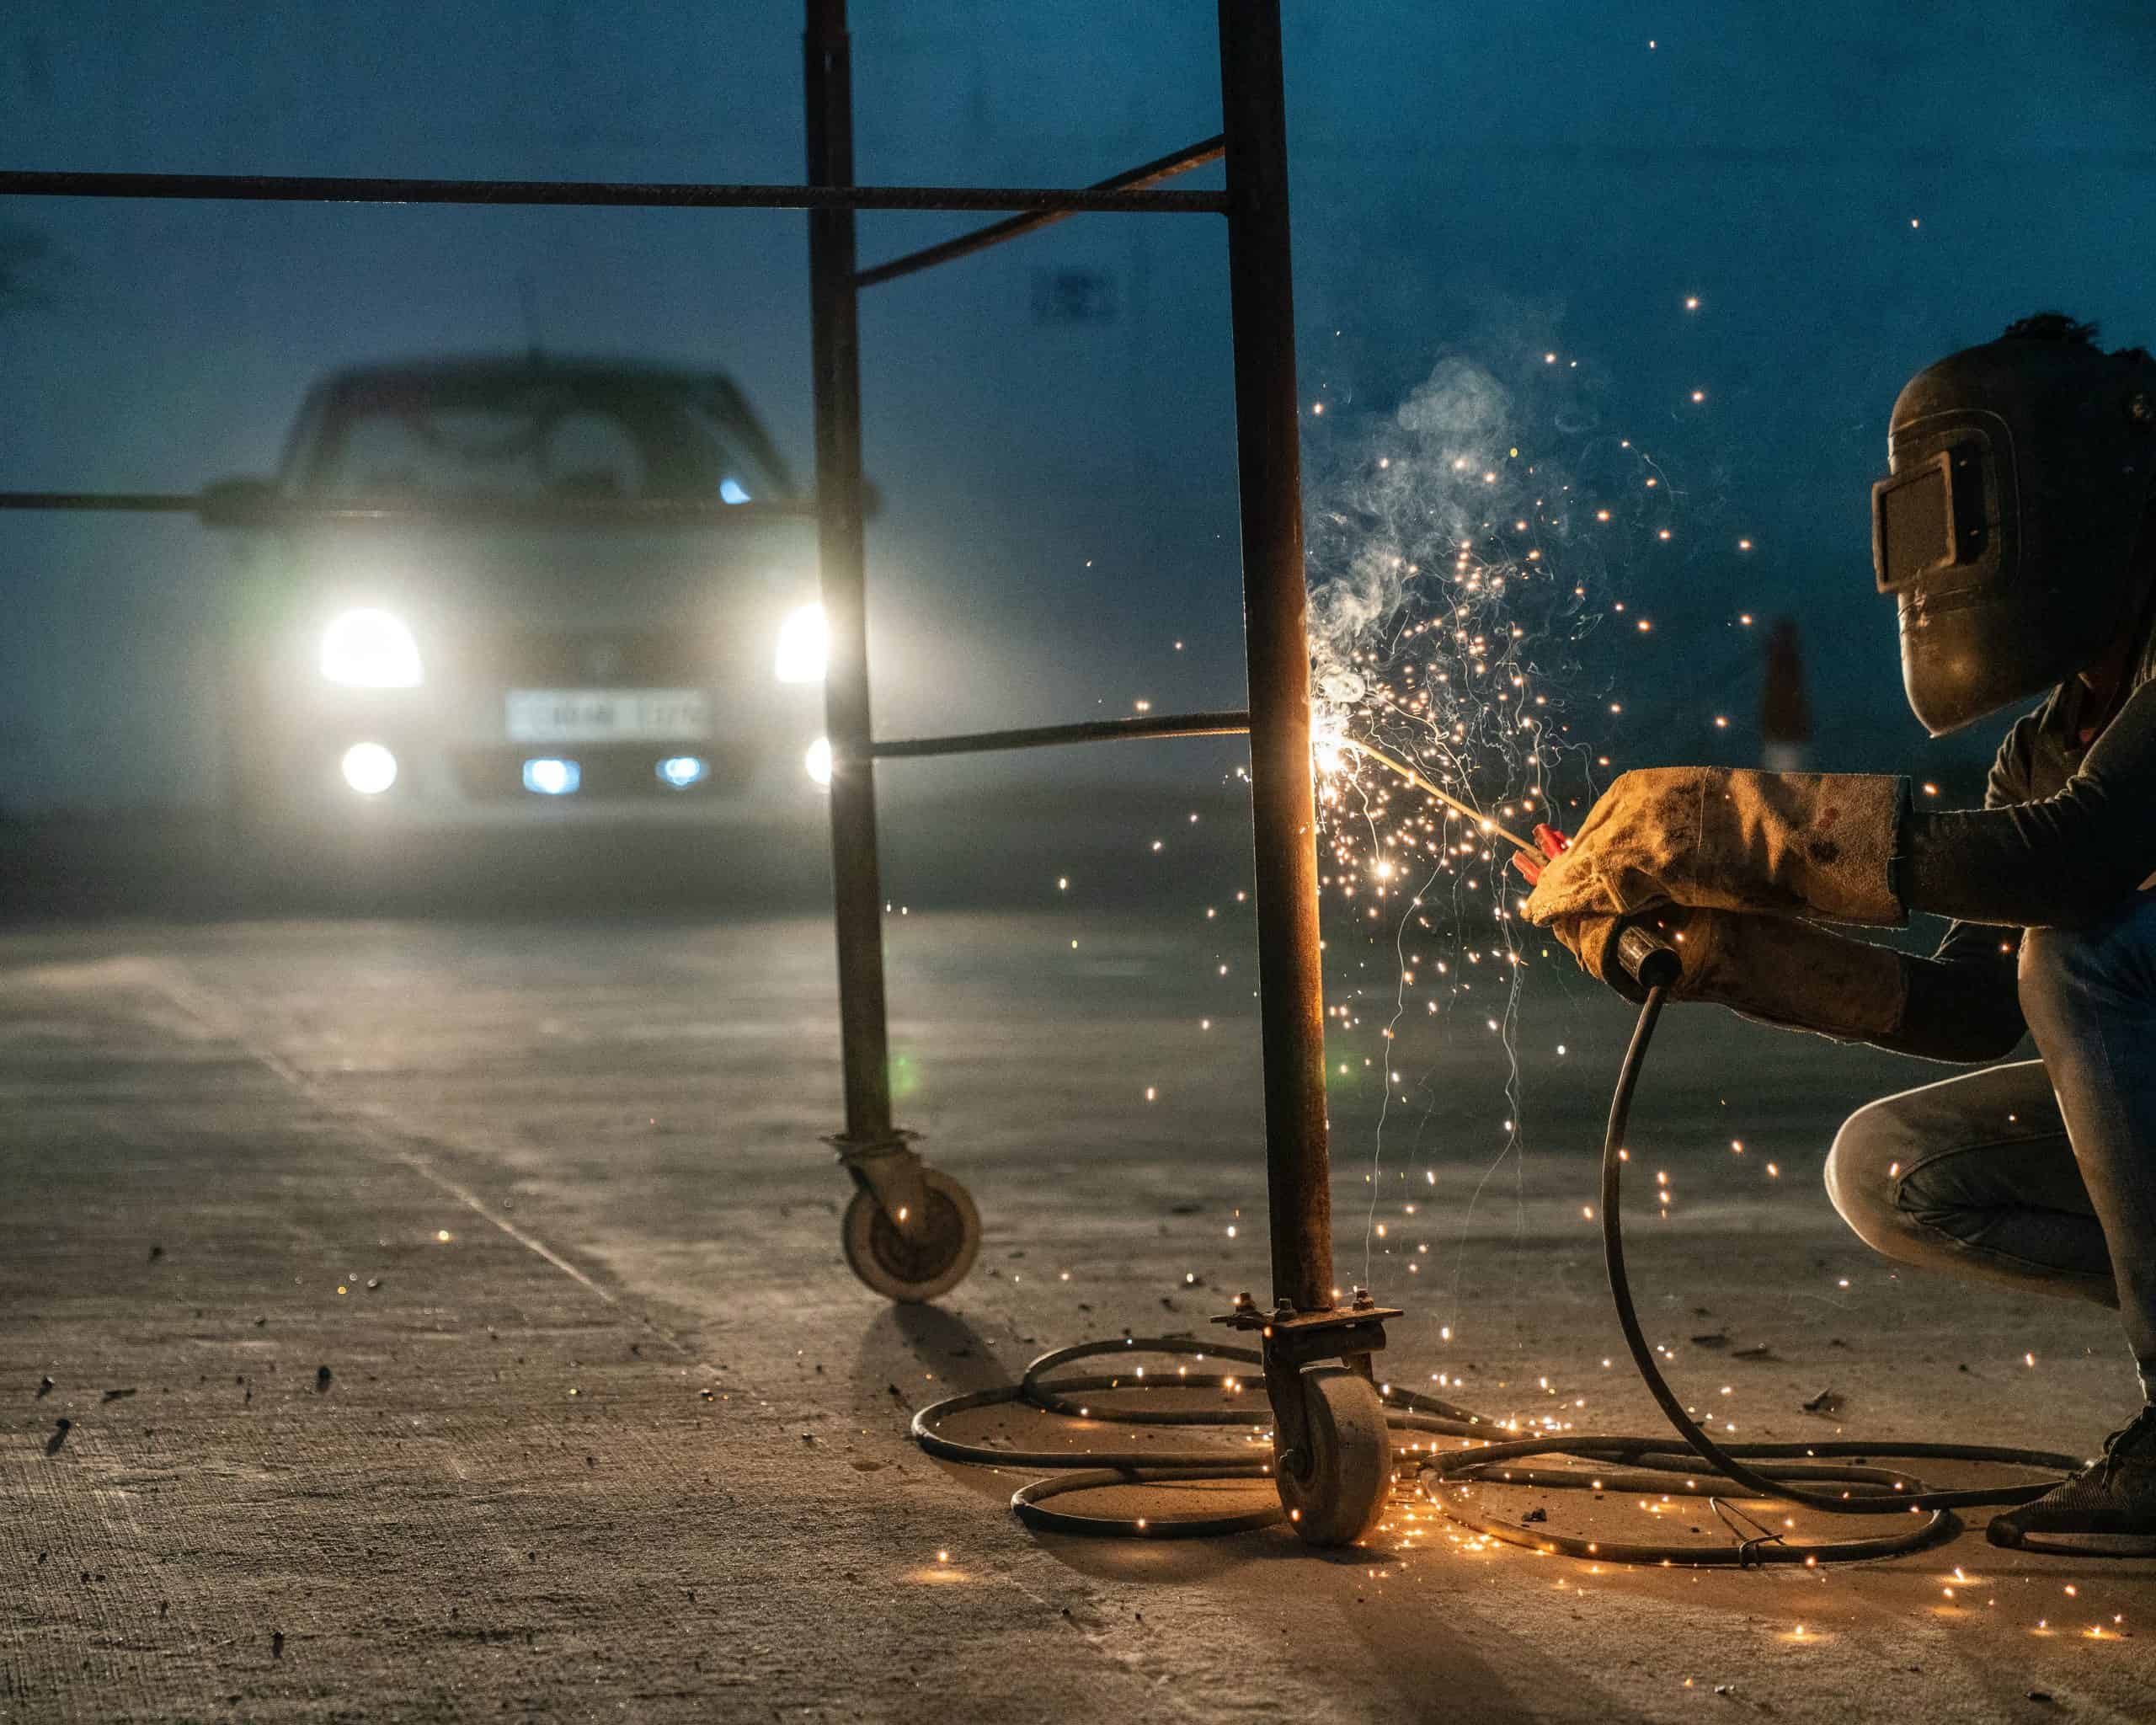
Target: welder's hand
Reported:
[(1781, 969), (1717, 838)]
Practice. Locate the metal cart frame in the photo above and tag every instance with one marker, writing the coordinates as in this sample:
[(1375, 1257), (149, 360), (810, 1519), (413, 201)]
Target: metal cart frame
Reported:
[(912, 1230)]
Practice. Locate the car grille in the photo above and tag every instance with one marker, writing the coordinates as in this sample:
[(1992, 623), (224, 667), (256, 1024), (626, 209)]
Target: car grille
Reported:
[(608, 770), (535, 659)]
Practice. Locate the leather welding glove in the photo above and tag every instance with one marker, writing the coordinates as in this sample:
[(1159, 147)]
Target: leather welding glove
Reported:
[(1780, 970), (1801, 844)]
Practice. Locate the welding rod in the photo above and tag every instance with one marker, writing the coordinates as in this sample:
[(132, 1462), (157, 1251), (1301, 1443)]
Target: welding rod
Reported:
[(1652, 961), (1446, 798)]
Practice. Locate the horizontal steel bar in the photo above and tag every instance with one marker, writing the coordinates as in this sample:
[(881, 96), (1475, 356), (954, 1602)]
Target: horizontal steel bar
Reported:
[(185, 503), (1232, 724), (1136, 179), (324, 188), (541, 512)]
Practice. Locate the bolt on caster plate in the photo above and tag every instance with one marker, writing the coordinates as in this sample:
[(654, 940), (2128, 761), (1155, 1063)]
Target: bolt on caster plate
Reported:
[(914, 1263), (1334, 1487)]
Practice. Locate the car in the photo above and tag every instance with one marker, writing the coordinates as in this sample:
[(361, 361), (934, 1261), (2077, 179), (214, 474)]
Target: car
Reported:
[(516, 589)]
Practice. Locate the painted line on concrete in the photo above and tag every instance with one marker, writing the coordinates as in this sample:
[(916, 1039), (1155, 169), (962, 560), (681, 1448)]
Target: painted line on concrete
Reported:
[(216, 1016)]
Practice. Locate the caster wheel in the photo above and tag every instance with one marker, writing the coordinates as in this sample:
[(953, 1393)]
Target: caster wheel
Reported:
[(1334, 1495), (925, 1265)]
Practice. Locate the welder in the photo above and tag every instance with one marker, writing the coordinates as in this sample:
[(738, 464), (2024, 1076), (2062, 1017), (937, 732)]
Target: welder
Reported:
[(2016, 534)]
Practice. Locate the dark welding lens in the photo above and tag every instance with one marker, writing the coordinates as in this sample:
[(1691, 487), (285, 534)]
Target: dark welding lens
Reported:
[(1913, 524)]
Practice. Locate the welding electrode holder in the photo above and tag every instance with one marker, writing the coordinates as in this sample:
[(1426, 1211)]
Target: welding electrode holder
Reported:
[(1642, 953), (1647, 958)]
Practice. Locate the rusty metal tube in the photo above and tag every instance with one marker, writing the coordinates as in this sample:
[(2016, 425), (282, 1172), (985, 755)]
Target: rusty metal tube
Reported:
[(302, 511), (856, 879), (1048, 736), (580, 194), (966, 244), (1284, 807)]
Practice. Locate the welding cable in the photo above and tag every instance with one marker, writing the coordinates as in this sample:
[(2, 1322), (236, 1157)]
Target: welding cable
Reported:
[(1098, 1469), (1620, 1465), (1869, 1490)]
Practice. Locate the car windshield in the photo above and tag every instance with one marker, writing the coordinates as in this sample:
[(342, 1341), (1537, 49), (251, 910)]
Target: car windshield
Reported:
[(520, 436)]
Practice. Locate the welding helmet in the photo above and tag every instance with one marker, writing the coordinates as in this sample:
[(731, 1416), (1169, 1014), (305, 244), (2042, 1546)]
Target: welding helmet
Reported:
[(2019, 474)]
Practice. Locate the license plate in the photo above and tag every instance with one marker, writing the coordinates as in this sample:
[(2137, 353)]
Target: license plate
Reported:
[(607, 715)]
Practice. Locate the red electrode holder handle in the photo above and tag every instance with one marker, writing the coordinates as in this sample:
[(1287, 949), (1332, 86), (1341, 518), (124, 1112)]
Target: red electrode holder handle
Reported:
[(1530, 865), (1650, 961)]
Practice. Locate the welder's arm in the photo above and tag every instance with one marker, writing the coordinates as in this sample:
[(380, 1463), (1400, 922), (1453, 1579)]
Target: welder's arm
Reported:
[(1780, 969), (2062, 860), (1962, 1003), (1957, 1005)]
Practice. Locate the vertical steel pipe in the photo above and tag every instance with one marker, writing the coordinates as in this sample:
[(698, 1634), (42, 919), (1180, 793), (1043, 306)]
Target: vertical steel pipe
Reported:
[(1283, 805), (856, 885)]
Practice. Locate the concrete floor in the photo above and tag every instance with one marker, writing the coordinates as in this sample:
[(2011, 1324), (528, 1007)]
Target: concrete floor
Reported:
[(446, 1319)]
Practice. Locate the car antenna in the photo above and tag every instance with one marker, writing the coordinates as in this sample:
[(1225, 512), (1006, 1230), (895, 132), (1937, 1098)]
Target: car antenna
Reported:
[(533, 351)]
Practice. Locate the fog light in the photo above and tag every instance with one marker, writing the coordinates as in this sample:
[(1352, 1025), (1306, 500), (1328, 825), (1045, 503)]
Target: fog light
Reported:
[(550, 777), (818, 762), (682, 770), (369, 768)]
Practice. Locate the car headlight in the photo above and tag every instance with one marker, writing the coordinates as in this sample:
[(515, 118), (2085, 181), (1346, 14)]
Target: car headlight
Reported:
[(370, 649), (818, 761), (803, 644)]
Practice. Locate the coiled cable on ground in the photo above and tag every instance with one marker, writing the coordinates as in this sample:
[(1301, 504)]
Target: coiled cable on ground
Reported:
[(1726, 1474)]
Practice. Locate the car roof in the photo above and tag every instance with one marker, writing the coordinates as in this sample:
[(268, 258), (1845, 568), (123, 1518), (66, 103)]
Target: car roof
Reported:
[(333, 392), (476, 368)]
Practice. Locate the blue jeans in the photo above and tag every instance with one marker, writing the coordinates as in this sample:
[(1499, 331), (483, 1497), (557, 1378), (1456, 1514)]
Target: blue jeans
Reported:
[(2040, 1174)]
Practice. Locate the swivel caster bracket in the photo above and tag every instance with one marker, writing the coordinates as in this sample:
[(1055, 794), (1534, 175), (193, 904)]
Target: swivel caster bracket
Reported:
[(890, 1170), (1332, 1452), (911, 1232)]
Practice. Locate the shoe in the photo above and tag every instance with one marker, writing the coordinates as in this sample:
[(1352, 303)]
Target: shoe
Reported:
[(2107, 1509)]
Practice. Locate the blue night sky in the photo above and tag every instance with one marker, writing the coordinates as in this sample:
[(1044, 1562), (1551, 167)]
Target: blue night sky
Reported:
[(1849, 189)]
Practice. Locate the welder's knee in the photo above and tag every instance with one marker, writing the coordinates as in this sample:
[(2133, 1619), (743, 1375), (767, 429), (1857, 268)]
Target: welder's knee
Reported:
[(1864, 1176)]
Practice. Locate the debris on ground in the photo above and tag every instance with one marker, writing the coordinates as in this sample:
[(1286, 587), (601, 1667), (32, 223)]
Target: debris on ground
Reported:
[(61, 1429), (1829, 1402)]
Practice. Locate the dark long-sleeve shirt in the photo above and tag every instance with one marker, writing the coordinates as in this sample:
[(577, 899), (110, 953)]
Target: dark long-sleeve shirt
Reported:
[(2066, 832)]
